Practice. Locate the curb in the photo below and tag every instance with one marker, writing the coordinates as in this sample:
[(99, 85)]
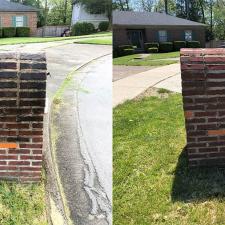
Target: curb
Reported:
[(51, 164)]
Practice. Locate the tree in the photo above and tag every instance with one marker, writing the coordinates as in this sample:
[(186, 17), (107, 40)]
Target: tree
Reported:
[(98, 7), (169, 4), (59, 12), (122, 5)]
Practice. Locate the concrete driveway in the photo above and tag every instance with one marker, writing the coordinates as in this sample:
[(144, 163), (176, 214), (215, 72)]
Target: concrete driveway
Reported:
[(167, 77)]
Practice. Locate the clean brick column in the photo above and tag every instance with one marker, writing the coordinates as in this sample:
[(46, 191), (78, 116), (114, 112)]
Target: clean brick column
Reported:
[(22, 103), (203, 83)]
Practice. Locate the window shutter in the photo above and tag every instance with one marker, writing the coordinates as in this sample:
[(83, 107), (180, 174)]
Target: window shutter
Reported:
[(194, 36), (183, 36), (13, 21), (25, 21), (169, 36)]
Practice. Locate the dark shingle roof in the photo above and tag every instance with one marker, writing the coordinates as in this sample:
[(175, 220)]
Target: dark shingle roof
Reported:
[(150, 18), (6, 6)]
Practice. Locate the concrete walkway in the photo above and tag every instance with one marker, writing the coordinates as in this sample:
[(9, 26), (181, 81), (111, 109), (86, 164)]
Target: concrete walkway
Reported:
[(167, 77)]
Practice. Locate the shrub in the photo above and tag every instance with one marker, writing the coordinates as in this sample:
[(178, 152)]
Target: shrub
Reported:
[(125, 50), (193, 44), (115, 53), (82, 29), (22, 31), (152, 50), (151, 45), (9, 31), (166, 47), (128, 51), (177, 45), (103, 26), (1, 33)]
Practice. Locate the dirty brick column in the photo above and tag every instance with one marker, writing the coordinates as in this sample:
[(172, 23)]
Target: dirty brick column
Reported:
[(203, 83), (22, 102)]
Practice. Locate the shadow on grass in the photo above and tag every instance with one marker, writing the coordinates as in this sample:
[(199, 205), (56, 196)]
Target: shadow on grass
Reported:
[(197, 184)]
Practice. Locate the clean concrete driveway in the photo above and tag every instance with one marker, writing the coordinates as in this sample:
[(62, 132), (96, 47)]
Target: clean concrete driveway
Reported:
[(167, 77)]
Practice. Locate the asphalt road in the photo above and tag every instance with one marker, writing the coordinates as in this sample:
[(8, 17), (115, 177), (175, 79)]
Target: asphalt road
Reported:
[(95, 116)]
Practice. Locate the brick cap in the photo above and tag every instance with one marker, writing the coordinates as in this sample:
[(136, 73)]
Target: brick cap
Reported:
[(202, 51)]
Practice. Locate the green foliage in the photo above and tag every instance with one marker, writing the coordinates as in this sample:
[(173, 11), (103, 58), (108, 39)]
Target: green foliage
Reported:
[(219, 20), (125, 50), (103, 26), (177, 45), (156, 59), (1, 33), (166, 47), (152, 50), (9, 32), (22, 204), (96, 6), (193, 44), (22, 31), (151, 45), (152, 183), (82, 29), (60, 12)]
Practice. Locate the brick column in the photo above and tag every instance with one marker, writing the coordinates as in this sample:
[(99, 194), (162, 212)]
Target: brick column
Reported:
[(203, 83), (22, 102)]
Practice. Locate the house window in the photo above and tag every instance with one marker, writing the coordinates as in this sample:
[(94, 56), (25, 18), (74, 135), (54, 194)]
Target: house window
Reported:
[(19, 21), (188, 35), (162, 35)]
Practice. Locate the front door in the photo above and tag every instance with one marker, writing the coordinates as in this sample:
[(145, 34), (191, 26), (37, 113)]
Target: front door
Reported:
[(136, 38)]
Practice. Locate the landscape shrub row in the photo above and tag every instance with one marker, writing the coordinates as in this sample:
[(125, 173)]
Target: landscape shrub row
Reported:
[(170, 46), (7, 32), (85, 28), (155, 47)]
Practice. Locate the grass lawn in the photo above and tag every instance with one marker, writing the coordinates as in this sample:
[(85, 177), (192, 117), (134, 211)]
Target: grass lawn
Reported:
[(26, 40), (22, 204), (96, 41), (157, 59), (152, 182)]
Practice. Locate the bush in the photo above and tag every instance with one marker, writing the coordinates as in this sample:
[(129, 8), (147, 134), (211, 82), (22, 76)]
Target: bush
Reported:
[(125, 50), (128, 51), (166, 47), (9, 31), (177, 45), (103, 26), (82, 29), (115, 53), (151, 45), (152, 50), (193, 44), (22, 31), (1, 33)]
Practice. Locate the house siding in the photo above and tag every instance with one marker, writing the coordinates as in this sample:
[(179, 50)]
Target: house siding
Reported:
[(6, 20), (151, 33)]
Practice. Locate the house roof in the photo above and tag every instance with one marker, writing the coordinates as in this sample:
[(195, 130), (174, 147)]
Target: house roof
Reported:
[(7, 6), (150, 18)]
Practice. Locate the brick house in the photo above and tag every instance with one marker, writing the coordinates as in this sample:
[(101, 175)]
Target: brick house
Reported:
[(137, 28), (18, 15)]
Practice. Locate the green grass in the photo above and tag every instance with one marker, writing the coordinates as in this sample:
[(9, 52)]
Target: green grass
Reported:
[(156, 59), (22, 204), (27, 40), (152, 181), (97, 41)]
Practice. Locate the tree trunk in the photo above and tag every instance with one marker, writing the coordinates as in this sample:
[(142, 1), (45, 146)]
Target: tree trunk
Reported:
[(166, 6), (65, 12)]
